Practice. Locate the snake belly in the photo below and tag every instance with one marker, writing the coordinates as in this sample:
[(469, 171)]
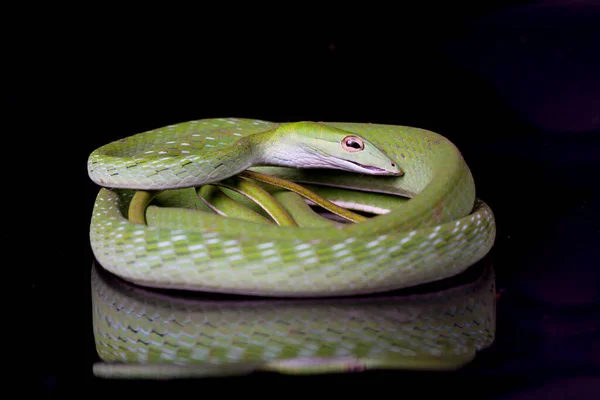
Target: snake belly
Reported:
[(439, 232)]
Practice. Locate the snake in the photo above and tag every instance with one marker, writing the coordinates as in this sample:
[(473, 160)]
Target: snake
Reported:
[(148, 334), (404, 196)]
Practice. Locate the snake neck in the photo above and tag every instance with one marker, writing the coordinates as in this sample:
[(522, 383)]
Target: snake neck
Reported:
[(280, 147)]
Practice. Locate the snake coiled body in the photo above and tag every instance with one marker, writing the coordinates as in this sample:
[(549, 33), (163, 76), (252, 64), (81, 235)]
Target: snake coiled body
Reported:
[(439, 232)]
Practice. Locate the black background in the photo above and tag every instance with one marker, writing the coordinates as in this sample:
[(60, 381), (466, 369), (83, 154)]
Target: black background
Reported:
[(515, 85)]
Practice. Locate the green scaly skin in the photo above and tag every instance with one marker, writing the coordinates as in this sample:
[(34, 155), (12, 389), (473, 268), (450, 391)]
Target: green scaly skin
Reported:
[(224, 205), (438, 233)]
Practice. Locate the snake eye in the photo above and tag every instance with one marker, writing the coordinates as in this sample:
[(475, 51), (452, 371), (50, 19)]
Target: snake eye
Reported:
[(353, 143)]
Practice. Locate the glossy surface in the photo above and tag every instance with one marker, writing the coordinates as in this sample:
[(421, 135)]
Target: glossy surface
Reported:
[(144, 334)]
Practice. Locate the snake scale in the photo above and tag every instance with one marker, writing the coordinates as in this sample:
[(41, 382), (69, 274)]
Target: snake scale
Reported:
[(426, 225)]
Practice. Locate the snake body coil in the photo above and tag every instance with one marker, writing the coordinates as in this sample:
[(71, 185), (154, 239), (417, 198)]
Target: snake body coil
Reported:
[(440, 231)]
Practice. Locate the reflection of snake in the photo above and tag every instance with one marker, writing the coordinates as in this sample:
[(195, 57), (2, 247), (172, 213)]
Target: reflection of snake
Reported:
[(144, 334), (440, 231)]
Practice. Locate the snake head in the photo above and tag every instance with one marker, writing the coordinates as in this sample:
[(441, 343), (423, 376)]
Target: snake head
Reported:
[(314, 145)]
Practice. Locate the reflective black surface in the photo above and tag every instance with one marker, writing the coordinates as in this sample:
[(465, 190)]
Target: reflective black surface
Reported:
[(517, 89), (164, 334)]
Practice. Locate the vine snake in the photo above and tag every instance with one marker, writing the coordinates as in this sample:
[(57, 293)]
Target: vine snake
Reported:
[(427, 222), (143, 334)]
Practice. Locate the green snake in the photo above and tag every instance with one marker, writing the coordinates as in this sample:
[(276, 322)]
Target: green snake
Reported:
[(145, 334), (424, 222)]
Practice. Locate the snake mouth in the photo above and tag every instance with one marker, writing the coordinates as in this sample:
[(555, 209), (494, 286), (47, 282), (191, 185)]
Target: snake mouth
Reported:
[(374, 170)]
